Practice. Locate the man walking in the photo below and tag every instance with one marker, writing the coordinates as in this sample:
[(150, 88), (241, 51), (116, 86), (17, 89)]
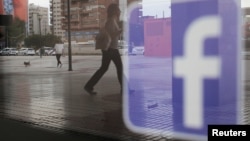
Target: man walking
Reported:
[(59, 52)]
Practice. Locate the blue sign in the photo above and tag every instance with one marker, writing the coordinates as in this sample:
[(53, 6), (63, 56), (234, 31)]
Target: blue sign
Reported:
[(205, 65), (199, 84)]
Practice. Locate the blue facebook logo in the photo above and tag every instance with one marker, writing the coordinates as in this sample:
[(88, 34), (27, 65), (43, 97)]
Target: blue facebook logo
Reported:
[(205, 65), (188, 76)]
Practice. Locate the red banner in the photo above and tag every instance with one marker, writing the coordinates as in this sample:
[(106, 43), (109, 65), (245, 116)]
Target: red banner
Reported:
[(17, 8)]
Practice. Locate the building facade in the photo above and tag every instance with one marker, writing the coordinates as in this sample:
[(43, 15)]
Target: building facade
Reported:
[(56, 19), (38, 17), (86, 17)]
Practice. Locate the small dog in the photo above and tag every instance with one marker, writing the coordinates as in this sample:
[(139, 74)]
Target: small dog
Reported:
[(26, 63)]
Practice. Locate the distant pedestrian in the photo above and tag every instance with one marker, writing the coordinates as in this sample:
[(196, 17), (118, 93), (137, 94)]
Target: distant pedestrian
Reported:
[(112, 53), (59, 51)]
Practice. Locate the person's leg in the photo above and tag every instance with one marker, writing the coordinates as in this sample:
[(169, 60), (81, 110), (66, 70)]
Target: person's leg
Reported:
[(57, 58), (119, 67), (99, 73), (124, 82), (116, 58)]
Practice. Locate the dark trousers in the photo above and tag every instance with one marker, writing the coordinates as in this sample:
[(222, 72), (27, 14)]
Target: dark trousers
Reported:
[(107, 57), (58, 56)]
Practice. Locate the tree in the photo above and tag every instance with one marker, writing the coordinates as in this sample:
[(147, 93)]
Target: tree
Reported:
[(46, 40), (33, 41), (50, 40), (16, 32)]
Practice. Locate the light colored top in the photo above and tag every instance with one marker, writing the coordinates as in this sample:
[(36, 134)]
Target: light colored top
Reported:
[(59, 48), (114, 32)]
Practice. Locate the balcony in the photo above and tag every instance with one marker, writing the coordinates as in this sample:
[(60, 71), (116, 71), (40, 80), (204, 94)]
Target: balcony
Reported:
[(74, 1), (74, 12), (79, 0), (51, 6), (89, 10), (74, 27), (80, 27), (74, 20), (65, 13), (65, 20), (75, 4), (62, 6), (93, 25), (65, 27), (84, 14)]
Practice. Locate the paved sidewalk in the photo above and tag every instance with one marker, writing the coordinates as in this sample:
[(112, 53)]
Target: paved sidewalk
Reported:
[(51, 102), (48, 97), (12, 130)]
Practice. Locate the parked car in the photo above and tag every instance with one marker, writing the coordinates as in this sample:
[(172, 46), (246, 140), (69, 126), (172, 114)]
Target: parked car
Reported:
[(123, 47), (6, 51), (138, 50), (30, 51), (13, 51), (46, 51), (52, 52), (123, 50), (22, 51), (38, 51)]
